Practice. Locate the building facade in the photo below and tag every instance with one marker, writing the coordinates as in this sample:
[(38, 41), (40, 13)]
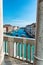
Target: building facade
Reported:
[(31, 29), (15, 27), (7, 28)]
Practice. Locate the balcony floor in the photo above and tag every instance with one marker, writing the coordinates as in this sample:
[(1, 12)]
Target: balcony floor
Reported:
[(11, 61)]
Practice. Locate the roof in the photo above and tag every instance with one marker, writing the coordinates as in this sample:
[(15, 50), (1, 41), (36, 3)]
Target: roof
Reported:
[(33, 24), (6, 25)]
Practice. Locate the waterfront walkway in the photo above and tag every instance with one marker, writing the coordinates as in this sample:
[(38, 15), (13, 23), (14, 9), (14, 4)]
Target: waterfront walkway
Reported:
[(12, 61)]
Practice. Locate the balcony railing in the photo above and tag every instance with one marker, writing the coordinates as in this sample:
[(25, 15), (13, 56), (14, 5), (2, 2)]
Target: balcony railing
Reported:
[(19, 47)]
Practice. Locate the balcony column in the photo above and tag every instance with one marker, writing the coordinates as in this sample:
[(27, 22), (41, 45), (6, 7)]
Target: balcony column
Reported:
[(39, 35), (10, 47), (1, 35)]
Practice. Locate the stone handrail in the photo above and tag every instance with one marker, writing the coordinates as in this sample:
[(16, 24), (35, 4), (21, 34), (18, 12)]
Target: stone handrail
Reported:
[(30, 41), (13, 46)]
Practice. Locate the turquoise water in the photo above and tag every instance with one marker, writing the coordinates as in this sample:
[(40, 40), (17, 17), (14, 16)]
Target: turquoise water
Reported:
[(19, 33)]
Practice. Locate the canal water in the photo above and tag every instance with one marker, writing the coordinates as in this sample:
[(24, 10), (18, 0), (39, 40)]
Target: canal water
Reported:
[(20, 33)]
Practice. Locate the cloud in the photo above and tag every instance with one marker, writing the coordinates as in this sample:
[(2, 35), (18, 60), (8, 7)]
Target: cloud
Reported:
[(21, 23)]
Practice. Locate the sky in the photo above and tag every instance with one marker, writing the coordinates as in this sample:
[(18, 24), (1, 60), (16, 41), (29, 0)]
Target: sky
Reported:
[(19, 12)]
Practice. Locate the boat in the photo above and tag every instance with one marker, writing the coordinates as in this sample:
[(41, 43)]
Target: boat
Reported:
[(23, 35)]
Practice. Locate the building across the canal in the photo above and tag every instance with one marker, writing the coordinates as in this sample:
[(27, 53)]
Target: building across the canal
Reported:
[(31, 29), (9, 28)]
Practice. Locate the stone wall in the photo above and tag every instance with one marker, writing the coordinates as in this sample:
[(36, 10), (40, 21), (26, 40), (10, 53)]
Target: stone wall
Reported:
[(39, 35), (1, 35)]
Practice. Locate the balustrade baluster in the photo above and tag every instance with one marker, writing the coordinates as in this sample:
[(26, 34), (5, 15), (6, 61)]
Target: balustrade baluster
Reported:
[(11, 48), (26, 52), (8, 48), (16, 49), (5, 47), (19, 50), (30, 53), (22, 51)]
